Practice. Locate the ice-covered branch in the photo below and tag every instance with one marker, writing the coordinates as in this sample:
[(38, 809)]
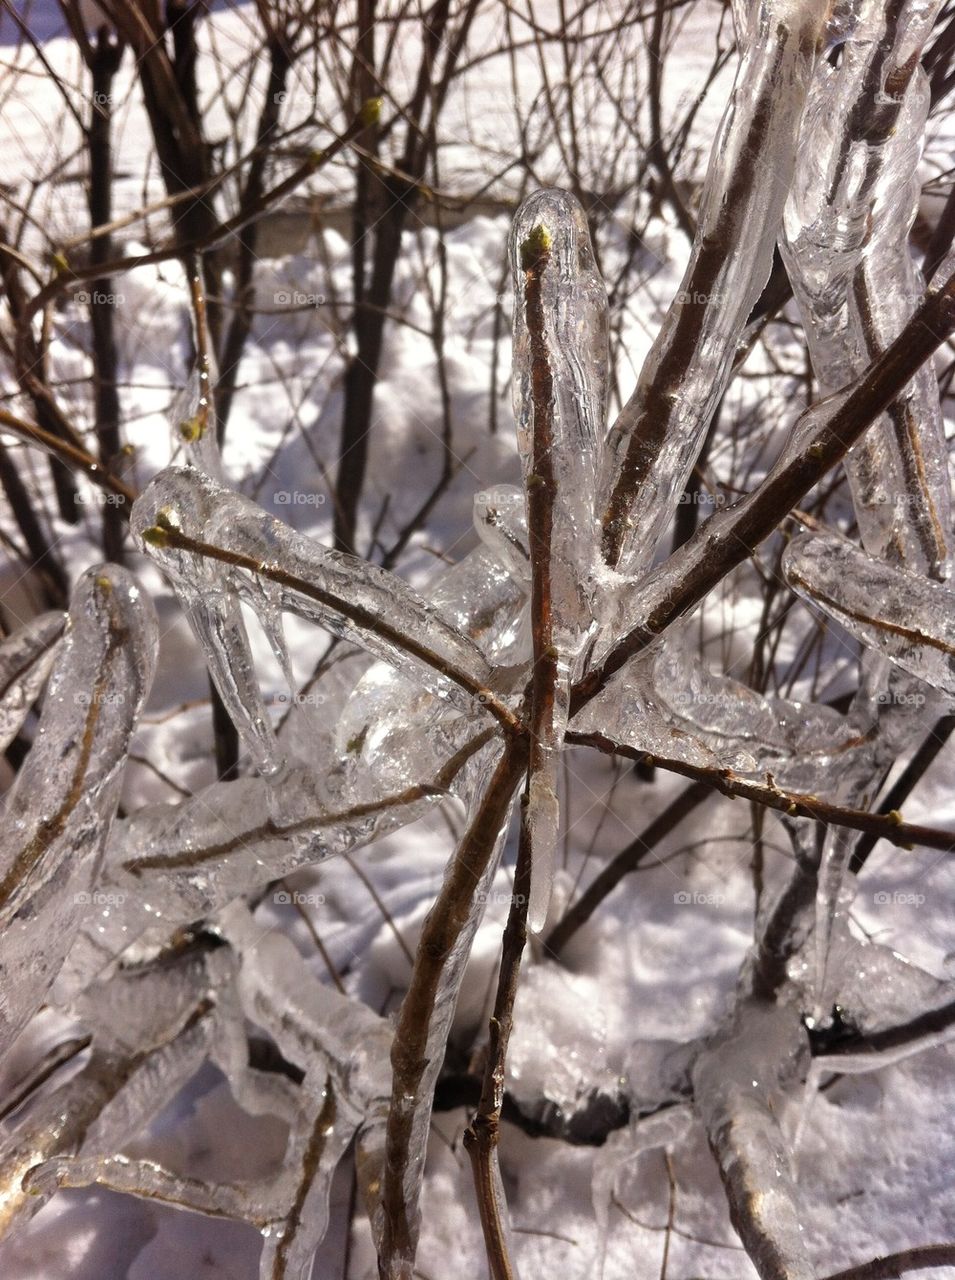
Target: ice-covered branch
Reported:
[(59, 812), (428, 1006), (846, 249), (185, 519), (560, 395), (25, 660), (906, 617), (820, 438), (657, 437), (883, 826), (481, 1136)]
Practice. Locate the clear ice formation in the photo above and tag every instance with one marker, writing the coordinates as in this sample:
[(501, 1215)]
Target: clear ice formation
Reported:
[(853, 200), (351, 598), (906, 617), (142, 929), (656, 440), (59, 811), (25, 660), (737, 1088), (847, 222), (560, 385), (665, 702)]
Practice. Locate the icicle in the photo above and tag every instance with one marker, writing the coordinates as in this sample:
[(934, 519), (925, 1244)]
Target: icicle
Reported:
[(656, 439), (906, 617), (25, 660), (60, 809), (833, 898), (543, 815)]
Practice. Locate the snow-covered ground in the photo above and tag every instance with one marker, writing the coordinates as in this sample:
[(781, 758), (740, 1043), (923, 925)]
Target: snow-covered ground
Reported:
[(650, 965)]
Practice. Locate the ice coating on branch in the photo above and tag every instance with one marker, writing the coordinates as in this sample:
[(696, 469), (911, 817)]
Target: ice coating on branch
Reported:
[(59, 811), (642, 605), (480, 597), (209, 602), (416, 1069), (657, 437), (388, 724), (846, 249), (170, 865), (736, 1083), (134, 1069), (25, 660), (353, 599), (890, 1010), (192, 421), (279, 992), (667, 703), (560, 387), (500, 518), (908, 618), (343, 1048)]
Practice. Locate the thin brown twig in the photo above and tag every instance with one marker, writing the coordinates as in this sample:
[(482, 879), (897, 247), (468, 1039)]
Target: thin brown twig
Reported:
[(410, 1050), (886, 826), (482, 1135)]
